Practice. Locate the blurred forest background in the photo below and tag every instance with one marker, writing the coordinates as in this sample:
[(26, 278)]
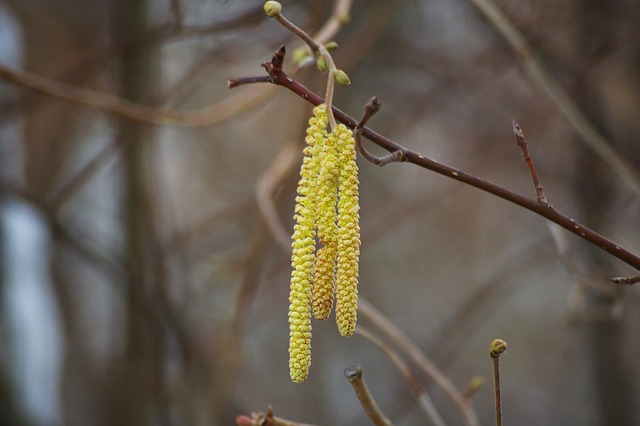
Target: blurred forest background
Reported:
[(144, 278)]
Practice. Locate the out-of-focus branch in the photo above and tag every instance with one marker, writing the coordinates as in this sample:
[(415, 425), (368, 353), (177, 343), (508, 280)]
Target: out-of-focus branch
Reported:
[(424, 401), (339, 16), (206, 116), (405, 344), (284, 162), (590, 135)]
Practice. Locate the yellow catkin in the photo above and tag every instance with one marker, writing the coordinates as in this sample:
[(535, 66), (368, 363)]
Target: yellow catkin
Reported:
[(348, 233), (326, 201), (303, 250)]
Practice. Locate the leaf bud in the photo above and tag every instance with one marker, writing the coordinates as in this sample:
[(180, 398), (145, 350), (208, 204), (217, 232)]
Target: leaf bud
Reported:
[(342, 77), (272, 8), (300, 55), (331, 46), (321, 64)]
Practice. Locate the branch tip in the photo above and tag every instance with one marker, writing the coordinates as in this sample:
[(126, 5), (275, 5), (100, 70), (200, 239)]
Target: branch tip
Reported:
[(626, 280), (373, 106), (517, 130), (353, 373)]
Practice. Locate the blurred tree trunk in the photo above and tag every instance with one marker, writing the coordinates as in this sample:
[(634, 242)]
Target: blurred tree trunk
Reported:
[(142, 380), (596, 189)]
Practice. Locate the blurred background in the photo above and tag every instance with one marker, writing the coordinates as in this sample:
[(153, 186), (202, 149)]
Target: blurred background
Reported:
[(144, 274)]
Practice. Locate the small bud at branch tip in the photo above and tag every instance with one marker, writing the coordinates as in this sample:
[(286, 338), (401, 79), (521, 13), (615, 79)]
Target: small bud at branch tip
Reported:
[(497, 348), (272, 8)]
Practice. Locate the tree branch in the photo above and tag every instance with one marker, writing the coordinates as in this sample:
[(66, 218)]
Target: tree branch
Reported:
[(280, 78), (534, 66), (354, 375)]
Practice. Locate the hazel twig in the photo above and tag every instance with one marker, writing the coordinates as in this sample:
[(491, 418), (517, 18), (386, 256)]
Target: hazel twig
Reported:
[(274, 10), (354, 375), (497, 348), (522, 143), (370, 108), (279, 77), (558, 95)]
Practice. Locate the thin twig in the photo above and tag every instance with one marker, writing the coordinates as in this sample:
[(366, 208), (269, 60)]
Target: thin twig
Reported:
[(279, 77), (354, 375), (522, 143), (497, 348), (321, 52), (424, 401), (331, 82), (299, 32), (339, 16), (370, 108), (590, 135), (206, 116), (266, 188), (406, 345)]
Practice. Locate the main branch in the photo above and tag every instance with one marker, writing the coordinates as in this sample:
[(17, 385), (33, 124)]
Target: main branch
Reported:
[(279, 77)]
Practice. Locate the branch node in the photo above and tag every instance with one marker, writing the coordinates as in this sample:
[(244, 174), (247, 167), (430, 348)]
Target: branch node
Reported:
[(370, 109)]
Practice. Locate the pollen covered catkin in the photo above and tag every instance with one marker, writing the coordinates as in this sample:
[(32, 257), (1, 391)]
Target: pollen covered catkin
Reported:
[(303, 253), (348, 233), (327, 199), (326, 211)]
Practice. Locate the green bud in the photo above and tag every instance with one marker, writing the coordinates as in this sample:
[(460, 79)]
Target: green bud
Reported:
[(272, 8), (476, 383), (342, 77), (497, 348), (321, 64), (331, 46), (299, 55)]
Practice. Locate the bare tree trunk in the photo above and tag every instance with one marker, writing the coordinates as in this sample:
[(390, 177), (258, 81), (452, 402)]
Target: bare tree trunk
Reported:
[(142, 379)]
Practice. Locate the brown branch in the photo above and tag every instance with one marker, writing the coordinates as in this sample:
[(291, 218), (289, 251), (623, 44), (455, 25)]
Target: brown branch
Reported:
[(279, 77), (370, 108), (354, 375), (534, 66)]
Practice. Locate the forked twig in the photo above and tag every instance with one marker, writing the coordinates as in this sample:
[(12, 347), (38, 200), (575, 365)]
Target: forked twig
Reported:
[(370, 108)]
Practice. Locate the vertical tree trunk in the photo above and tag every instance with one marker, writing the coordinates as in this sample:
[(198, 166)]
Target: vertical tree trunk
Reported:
[(142, 368)]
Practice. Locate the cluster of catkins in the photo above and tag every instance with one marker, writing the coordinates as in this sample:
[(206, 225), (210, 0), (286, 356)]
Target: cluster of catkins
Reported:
[(326, 212)]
